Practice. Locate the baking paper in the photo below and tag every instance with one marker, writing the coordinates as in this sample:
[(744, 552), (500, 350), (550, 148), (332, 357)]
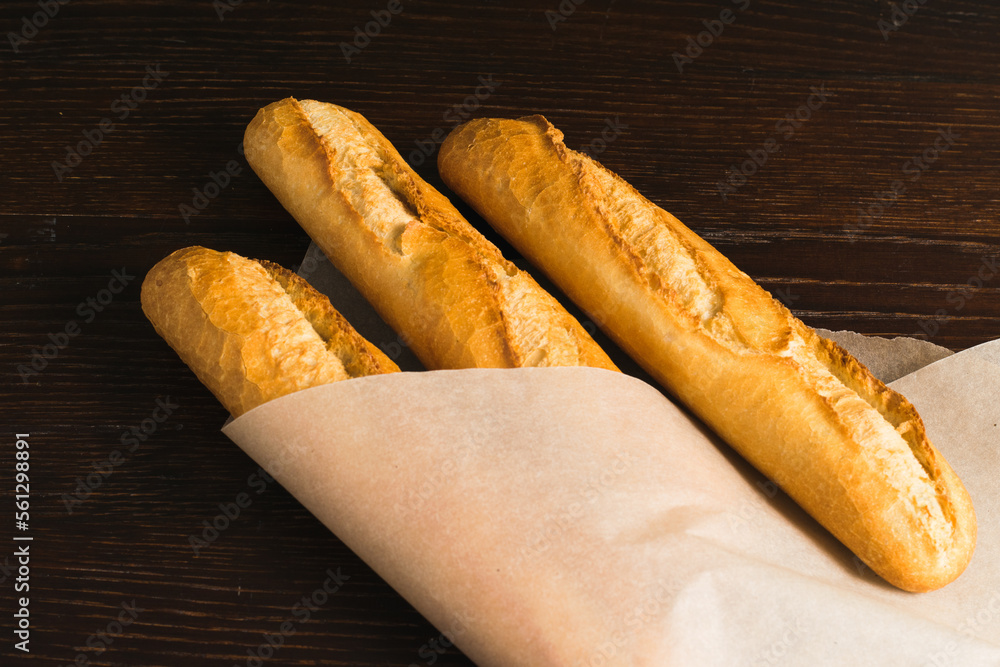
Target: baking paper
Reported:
[(576, 516)]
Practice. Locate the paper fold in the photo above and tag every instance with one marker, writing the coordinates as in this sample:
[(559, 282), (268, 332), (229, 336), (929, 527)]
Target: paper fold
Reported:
[(575, 516)]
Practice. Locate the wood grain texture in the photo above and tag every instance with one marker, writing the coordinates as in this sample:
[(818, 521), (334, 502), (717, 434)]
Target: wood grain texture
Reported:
[(906, 272)]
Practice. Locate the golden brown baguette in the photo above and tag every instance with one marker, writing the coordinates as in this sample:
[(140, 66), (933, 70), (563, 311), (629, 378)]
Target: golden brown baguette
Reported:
[(430, 275), (251, 330), (849, 450)]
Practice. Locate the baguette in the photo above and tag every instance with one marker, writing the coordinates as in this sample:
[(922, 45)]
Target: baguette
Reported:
[(852, 452), (251, 330), (428, 273)]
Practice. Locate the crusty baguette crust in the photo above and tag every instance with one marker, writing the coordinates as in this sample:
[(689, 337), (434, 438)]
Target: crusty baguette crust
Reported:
[(430, 275), (251, 330), (848, 449)]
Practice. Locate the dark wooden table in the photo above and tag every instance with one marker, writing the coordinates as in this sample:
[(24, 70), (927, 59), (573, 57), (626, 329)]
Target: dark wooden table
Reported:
[(844, 154)]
